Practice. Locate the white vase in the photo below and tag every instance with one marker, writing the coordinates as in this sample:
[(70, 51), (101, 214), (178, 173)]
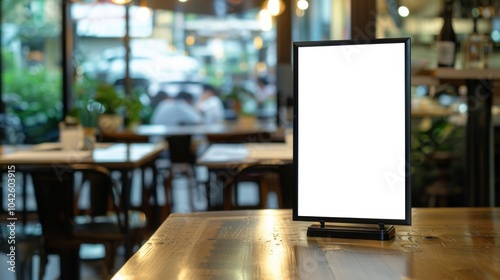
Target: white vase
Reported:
[(110, 123)]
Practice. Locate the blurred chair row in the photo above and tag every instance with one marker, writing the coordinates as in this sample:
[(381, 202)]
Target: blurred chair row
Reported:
[(65, 226)]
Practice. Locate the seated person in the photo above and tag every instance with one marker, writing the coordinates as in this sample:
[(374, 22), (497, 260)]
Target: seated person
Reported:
[(176, 111), (265, 91), (210, 105)]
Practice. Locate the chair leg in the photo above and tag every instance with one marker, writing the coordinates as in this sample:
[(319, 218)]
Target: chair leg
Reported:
[(109, 259), (69, 264), (263, 191), (274, 183)]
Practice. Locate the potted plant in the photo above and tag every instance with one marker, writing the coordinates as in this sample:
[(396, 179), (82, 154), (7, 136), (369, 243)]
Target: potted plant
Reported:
[(112, 117)]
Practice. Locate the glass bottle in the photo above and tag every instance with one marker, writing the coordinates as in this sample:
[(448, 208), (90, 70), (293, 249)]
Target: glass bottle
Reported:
[(474, 49), (447, 43)]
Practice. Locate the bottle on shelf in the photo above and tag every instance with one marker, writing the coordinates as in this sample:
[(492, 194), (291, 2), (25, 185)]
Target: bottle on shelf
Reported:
[(474, 46), (488, 50), (447, 39)]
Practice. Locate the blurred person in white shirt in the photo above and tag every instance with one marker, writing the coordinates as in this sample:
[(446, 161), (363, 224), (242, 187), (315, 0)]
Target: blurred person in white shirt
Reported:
[(266, 91), (176, 111), (210, 105)]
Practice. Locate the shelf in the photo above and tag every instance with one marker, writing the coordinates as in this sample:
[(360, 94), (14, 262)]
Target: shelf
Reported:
[(466, 74)]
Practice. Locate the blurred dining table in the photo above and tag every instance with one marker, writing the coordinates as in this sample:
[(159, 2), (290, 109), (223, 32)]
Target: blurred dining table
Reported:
[(121, 157), (143, 132), (225, 162)]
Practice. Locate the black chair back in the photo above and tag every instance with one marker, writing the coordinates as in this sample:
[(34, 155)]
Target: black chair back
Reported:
[(54, 195), (180, 149)]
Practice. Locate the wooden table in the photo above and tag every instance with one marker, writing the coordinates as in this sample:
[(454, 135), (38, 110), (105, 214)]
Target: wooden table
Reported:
[(442, 243), (121, 157), (226, 161), (110, 155), (222, 155)]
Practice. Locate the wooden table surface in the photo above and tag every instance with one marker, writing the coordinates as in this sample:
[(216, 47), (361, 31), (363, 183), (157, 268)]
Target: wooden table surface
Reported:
[(109, 155), (223, 155), (442, 243)]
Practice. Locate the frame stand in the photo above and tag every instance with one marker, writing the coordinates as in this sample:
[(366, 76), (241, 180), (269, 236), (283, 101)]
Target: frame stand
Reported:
[(373, 232)]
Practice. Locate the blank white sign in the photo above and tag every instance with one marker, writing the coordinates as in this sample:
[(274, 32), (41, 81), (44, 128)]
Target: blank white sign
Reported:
[(351, 131)]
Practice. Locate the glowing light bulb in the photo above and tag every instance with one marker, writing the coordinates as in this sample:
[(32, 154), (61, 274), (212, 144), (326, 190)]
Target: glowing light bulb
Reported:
[(403, 11), (275, 7), (302, 5)]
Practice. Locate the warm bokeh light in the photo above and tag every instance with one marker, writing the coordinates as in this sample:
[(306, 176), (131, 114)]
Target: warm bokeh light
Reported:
[(183, 1), (261, 67), (265, 20), (190, 40), (302, 5), (403, 11), (299, 12), (258, 42), (121, 2), (275, 7)]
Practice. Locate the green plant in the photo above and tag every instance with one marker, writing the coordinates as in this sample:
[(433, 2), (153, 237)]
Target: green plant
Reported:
[(109, 97), (34, 96), (117, 103), (242, 101)]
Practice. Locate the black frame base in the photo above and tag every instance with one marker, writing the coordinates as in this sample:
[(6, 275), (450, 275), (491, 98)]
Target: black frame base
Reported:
[(375, 232)]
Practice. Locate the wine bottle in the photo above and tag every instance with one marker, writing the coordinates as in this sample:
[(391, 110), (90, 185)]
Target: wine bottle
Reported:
[(447, 43)]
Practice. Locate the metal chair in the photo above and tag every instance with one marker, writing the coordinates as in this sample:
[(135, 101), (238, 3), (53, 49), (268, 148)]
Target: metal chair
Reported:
[(271, 176), (265, 176), (181, 161)]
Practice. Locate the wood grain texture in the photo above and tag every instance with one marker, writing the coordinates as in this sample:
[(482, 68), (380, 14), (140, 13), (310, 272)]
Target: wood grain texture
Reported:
[(442, 243)]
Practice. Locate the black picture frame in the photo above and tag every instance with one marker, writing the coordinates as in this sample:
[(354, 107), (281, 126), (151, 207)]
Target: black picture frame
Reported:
[(322, 121)]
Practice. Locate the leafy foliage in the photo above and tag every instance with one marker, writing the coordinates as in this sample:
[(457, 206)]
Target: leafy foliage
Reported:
[(34, 97)]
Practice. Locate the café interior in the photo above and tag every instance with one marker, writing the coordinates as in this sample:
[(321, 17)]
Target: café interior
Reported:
[(82, 82)]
